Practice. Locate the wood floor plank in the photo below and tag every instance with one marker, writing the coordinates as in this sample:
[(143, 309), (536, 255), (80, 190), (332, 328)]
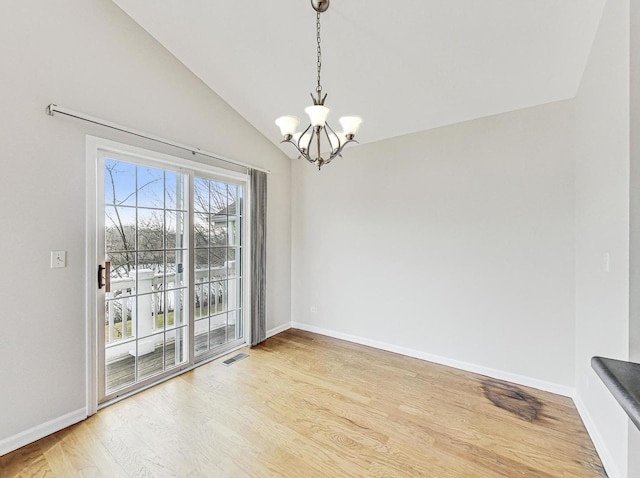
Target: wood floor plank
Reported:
[(308, 405)]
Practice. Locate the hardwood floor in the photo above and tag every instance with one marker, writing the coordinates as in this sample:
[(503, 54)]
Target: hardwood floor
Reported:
[(304, 405)]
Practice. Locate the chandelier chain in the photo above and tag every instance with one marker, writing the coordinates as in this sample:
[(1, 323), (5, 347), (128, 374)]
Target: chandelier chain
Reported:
[(319, 51)]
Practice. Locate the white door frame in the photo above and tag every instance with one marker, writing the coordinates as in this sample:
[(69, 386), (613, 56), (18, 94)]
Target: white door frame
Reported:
[(95, 206)]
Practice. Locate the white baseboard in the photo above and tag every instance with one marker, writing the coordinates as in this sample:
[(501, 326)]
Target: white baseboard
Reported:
[(469, 367), (40, 431), (601, 447), (277, 330)]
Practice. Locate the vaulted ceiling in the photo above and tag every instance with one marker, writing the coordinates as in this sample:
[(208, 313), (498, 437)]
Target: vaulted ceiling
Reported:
[(404, 66)]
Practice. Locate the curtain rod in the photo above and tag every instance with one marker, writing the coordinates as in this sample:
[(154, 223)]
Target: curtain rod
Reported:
[(52, 109)]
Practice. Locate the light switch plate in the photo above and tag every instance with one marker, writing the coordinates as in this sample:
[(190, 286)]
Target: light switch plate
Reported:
[(58, 259)]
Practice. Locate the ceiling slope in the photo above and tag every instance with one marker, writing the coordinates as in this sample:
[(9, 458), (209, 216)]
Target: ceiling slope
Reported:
[(403, 66)]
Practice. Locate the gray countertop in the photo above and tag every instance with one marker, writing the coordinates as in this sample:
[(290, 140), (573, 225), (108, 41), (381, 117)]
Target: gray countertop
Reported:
[(623, 381)]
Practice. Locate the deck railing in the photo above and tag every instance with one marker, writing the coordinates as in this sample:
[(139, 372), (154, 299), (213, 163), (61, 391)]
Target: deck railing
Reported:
[(142, 309)]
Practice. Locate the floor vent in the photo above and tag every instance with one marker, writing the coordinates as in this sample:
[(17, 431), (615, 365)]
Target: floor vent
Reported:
[(234, 359)]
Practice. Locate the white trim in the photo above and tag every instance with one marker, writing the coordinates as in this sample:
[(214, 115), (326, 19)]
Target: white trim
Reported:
[(601, 447), (40, 431), (247, 286), (144, 154), (277, 330), (91, 303), (469, 367)]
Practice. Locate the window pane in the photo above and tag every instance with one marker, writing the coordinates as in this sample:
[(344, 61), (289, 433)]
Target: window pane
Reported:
[(122, 265), (150, 229), (218, 197), (217, 263), (175, 185), (118, 320), (175, 308), (233, 231), (119, 183), (218, 230), (150, 356), (201, 195), (202, 265), (231, 262), (239, 201), (150, 187), (175, 347), (201, 345), (219, 297), (233, 294), (120, 228), (149, 263), (218, 330), (232, 198), (174, 268), (201, 229), (148, 314), (120, 369), (174, 230), (201, 301), (232, 329)]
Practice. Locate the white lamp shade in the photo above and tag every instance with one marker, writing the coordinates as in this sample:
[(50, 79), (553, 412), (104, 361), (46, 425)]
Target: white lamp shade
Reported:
[(304, 142), (317, 114), (287, 125), (350, 124), (337, 140)]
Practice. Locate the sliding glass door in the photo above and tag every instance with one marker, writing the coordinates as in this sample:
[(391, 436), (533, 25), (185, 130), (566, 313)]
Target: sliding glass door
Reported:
[(170, 291), (218, 267)]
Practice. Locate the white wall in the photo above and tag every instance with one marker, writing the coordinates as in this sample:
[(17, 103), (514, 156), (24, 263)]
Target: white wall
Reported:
[(602, 226), (634, 246), (457, 242), (89, 56)]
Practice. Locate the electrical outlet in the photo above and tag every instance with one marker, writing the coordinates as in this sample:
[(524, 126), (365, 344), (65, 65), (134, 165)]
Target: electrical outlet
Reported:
[(314, 310), (58, 259)]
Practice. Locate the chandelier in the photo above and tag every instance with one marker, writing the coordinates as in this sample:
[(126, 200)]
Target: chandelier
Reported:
[(318, 131)]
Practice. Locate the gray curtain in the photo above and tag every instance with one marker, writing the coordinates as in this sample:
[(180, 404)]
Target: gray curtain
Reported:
[(258, 255)]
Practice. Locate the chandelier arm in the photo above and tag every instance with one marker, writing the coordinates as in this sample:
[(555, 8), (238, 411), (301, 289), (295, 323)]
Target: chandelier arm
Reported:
[(313, 135), (305, 151), (332, 158), (302, 136), (302, 153), (339, 151), (318, 145), (327, 127)]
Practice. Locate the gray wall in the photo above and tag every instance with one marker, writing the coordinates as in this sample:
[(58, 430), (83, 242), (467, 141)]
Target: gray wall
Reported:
[(89, 56), (602, 226), (456, 242)]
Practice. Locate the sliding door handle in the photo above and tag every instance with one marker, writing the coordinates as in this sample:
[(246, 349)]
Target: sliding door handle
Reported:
[(104, 276)]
